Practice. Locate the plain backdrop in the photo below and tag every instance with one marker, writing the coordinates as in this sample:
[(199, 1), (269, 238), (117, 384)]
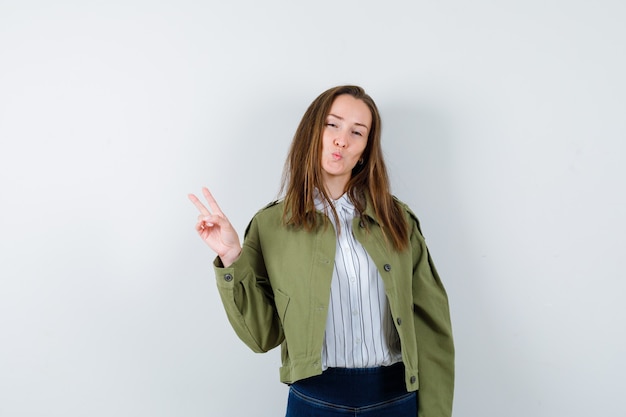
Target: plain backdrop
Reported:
[(504, 129)]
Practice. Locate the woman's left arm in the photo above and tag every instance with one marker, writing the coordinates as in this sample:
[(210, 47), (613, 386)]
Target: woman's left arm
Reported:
[(433, 329)]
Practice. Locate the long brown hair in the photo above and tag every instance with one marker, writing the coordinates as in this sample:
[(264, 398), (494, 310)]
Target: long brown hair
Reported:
[(303, 172)]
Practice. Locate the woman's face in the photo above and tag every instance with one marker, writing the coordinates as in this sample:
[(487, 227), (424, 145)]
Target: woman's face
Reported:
[(343, 140)]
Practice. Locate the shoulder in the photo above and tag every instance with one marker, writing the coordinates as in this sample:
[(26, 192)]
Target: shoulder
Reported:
[(271, 209), (270, 215), (410, 214)]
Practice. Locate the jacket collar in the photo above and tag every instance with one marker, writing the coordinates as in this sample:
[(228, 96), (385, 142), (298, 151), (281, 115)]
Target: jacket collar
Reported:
[(369, 208)]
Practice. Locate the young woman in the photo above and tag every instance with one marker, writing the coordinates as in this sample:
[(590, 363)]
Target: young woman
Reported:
[(338, 274)]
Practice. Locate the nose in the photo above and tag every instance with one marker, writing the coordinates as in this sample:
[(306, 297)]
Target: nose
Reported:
[(341, 140)]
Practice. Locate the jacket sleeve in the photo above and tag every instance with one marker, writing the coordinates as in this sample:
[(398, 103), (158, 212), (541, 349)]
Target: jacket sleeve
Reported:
[(433, 331), (247, 295)]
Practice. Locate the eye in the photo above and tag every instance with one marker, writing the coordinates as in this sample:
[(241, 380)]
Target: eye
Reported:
[(356, 132), (331, 124)]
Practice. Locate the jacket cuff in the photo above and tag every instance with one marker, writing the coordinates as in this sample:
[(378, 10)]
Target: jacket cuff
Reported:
[(226, 276)]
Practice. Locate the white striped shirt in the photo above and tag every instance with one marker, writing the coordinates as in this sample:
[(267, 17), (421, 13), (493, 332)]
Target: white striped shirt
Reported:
[(359, 328)]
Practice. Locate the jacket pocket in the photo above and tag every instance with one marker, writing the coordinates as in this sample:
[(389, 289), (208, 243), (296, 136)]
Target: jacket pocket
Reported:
[(282, 302)]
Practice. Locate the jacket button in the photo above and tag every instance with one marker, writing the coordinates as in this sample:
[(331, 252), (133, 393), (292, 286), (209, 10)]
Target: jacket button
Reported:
[(228, 277), (399, 321), (387, 267), (413, 379)]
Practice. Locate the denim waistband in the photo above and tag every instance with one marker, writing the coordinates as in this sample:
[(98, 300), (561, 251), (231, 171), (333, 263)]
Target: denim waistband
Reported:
[(355, 387)]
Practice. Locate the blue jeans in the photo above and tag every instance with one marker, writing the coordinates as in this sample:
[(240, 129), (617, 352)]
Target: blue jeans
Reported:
[(368, 392)]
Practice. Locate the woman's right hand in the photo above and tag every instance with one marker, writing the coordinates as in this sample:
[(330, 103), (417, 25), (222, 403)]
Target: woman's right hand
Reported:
[(215, 229)]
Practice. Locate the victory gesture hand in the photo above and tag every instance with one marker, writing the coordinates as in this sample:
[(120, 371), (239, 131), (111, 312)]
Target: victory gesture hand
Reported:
[(216, 230)]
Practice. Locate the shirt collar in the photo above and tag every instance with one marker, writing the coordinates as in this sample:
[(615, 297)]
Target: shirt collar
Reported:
[(342, 202), (369, 206)]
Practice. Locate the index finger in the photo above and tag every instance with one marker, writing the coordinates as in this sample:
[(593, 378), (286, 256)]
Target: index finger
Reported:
[(215, 208), (196, 202)]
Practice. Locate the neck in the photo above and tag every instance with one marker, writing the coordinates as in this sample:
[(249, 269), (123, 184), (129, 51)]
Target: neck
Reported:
[(335, 187)]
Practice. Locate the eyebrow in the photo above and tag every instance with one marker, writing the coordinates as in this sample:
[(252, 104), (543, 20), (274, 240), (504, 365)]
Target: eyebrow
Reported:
[(341, 118)]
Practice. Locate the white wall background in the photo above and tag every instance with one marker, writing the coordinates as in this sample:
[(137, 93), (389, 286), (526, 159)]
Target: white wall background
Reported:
[(504, 129)]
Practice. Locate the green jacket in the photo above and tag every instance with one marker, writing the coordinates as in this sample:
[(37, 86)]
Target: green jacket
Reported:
[(278, 290)]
